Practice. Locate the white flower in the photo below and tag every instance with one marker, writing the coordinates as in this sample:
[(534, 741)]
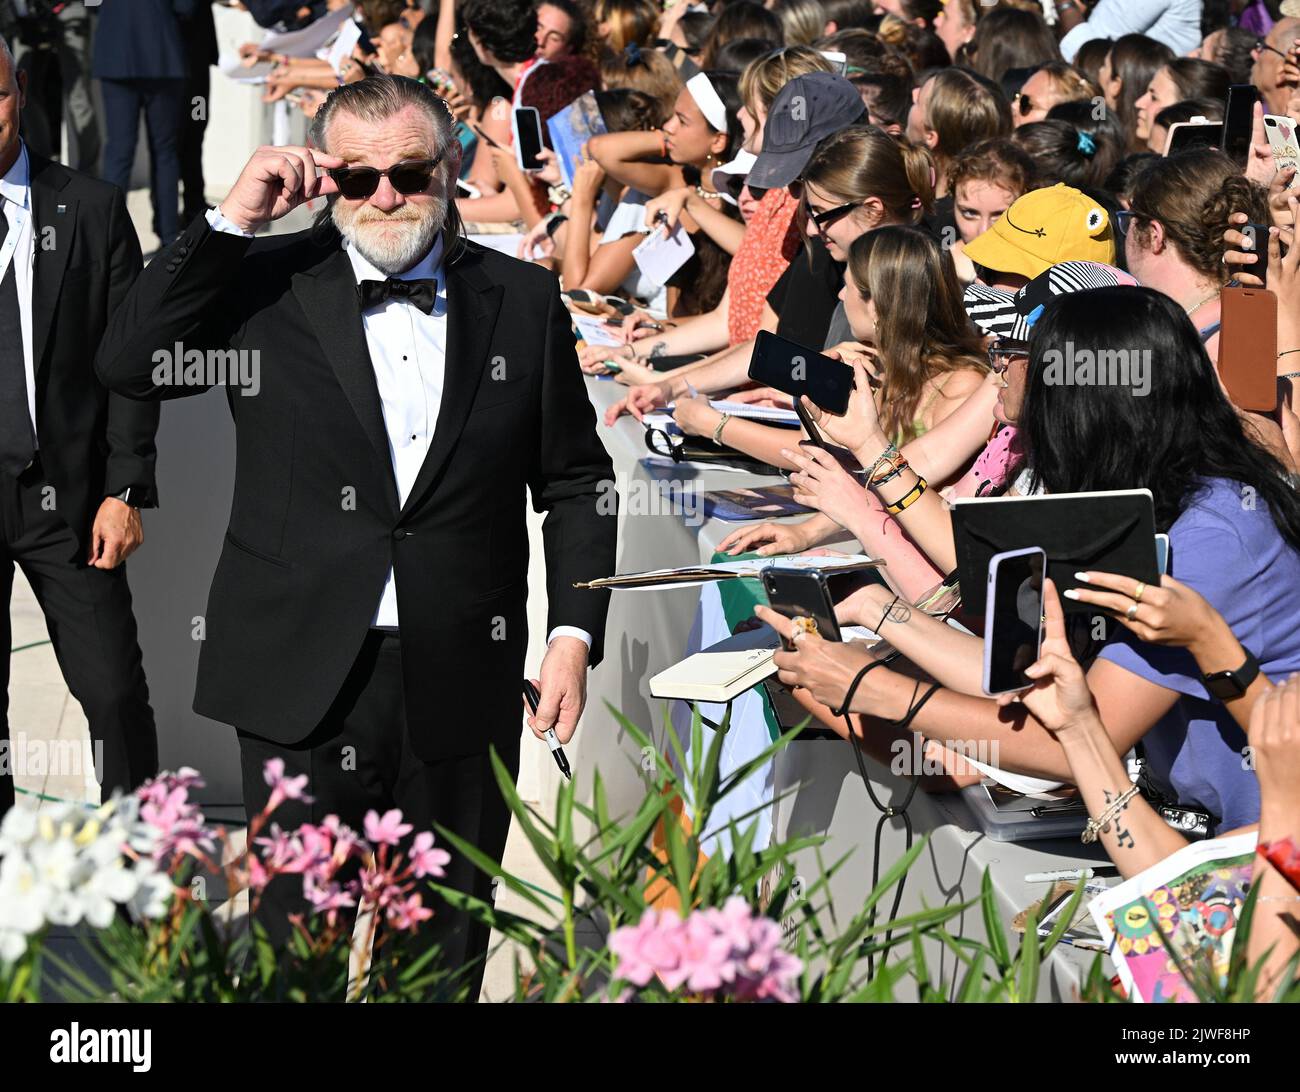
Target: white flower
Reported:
[(23, 898), (153, 891), (12, 945), (55, 863), (17, 828)]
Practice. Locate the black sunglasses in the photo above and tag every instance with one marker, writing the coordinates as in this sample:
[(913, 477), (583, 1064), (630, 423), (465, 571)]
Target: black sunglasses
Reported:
[(826, 217), (1006, 351), (1024, 103), (408, 177)]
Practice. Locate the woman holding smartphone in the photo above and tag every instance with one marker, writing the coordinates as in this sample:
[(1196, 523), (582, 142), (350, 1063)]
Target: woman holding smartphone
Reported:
[(1231, 519)]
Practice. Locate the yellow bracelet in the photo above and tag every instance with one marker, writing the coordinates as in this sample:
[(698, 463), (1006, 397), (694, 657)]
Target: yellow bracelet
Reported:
[(909, 498)]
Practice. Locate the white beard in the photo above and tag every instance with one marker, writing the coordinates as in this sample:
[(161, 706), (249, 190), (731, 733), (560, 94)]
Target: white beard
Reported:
[(391, 242)]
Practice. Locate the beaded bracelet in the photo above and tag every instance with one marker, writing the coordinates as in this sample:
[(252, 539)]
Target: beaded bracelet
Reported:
[(884, 479), (890, 449), (1096, 827), (895, 462)]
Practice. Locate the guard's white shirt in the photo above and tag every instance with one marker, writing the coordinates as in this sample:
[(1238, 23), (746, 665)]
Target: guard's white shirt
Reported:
[(16, 196), (408, 351)]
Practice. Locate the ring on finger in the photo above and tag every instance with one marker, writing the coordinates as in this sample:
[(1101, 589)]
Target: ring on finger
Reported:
[(1131, 613), (1137, 592)]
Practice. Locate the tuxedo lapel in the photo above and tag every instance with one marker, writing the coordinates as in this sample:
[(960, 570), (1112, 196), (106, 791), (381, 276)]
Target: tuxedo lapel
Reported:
[(328, 295), (473, 303), (54, 225)]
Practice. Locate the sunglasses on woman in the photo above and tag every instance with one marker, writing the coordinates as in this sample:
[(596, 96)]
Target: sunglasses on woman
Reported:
[(407, 177), (1024, 104), (826, 217), (1006, 351)]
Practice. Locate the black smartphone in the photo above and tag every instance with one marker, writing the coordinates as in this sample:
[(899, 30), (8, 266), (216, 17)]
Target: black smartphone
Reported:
[(1258, 235), (1013, 611), (1185, 135), (802, 593), (791, 368), (1239, 121), (528, 138)]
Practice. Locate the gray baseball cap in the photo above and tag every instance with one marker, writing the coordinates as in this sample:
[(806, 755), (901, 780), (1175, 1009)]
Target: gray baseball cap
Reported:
[(806, 110)]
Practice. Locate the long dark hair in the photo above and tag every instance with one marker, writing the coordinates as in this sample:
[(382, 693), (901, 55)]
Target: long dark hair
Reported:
[(1184, 430)]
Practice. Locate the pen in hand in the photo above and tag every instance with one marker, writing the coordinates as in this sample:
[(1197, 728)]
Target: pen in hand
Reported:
[(533, 698)]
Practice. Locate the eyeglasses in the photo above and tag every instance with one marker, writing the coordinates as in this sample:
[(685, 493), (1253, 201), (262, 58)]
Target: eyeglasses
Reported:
[(408, 177), (1124, 219), (826, 217), (1006, 351), (1263, 45)]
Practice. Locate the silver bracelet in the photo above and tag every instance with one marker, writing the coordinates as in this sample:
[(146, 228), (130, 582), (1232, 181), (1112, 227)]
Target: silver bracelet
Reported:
[(717, 431), (1098, 826)]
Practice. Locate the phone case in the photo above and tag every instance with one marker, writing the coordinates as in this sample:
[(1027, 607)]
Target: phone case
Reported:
[(1248, 348), (1281, 134), (534, 126), (995, 564)]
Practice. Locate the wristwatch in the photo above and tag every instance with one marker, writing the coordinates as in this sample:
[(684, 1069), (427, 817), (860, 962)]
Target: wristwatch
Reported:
[(137, 496), (1228, 685)]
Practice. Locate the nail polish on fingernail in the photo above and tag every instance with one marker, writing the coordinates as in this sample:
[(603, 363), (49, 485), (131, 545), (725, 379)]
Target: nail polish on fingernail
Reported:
[(1081, 576), (1071, 594)]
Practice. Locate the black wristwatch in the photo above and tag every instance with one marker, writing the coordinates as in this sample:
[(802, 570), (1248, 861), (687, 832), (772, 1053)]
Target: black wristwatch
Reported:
[(1227, 685)]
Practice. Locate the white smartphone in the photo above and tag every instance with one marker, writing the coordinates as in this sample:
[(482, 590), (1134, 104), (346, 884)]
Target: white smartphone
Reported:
[(1200, 132), (464, 189), (526, 123), (1281, 135), (1013, 619), (1162, 553)]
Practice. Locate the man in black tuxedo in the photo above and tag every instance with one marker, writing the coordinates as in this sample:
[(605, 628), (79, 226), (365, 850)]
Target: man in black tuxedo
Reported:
[(366, 623), (76, 463)]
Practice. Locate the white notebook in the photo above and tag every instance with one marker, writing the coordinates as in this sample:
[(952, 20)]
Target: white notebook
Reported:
[(732, 666)]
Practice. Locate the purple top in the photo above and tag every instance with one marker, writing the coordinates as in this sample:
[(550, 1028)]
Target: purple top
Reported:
[(1257, 19), (1226, 546)]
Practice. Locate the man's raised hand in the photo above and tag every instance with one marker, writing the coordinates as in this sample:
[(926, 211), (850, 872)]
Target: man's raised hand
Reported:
[(274, 182)]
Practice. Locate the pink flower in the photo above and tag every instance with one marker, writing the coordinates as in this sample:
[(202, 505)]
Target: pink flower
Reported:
[(425, 860), (166, 807), (406, 914), (651, 947), (705, 958), (283, 788), (388, 831)]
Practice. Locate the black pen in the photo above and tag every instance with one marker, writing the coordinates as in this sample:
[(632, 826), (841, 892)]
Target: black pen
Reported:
[(532, 697)]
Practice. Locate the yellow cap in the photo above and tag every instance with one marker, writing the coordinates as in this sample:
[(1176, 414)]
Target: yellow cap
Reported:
[(1044, 227)]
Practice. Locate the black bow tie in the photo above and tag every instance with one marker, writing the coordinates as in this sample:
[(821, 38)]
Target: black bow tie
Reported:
[(420, 293)]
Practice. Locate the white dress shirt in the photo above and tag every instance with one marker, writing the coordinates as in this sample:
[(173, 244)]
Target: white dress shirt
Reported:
[(408, 352), (19, 248)]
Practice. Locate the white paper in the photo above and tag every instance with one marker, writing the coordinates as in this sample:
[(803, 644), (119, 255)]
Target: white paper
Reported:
[(593, 330), (506, 243), (306, 42), (344, 44), (1021, 783), (659, 256), (756, 413)]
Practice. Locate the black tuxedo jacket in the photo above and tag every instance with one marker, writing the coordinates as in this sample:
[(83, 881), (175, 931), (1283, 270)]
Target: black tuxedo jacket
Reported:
[(92, 443), (315, 522)]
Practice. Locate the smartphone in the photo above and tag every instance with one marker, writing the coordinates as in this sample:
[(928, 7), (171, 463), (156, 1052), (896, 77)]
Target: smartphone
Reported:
[(1197, 133), (791, 368), (1239, 121), (1162, 553), (1248, 348), (1013, 619), (802, 593), (1280, 131), (527, 127), (465, 189), (1258, 236)]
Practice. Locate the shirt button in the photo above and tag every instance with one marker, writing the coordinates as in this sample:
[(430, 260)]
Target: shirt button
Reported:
[(401, 533)]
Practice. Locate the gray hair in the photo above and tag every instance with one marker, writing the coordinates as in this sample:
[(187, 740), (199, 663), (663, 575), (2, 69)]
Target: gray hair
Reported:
[(375, 100)]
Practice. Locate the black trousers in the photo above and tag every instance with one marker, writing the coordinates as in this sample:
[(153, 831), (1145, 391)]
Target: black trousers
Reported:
[(358, 758), (92, 628), (198, 86)]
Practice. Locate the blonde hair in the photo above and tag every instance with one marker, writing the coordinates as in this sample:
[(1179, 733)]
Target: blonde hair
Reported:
[(764, 77)]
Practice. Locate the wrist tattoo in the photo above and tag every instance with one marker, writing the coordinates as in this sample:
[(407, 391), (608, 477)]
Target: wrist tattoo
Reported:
[(657, 350)]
